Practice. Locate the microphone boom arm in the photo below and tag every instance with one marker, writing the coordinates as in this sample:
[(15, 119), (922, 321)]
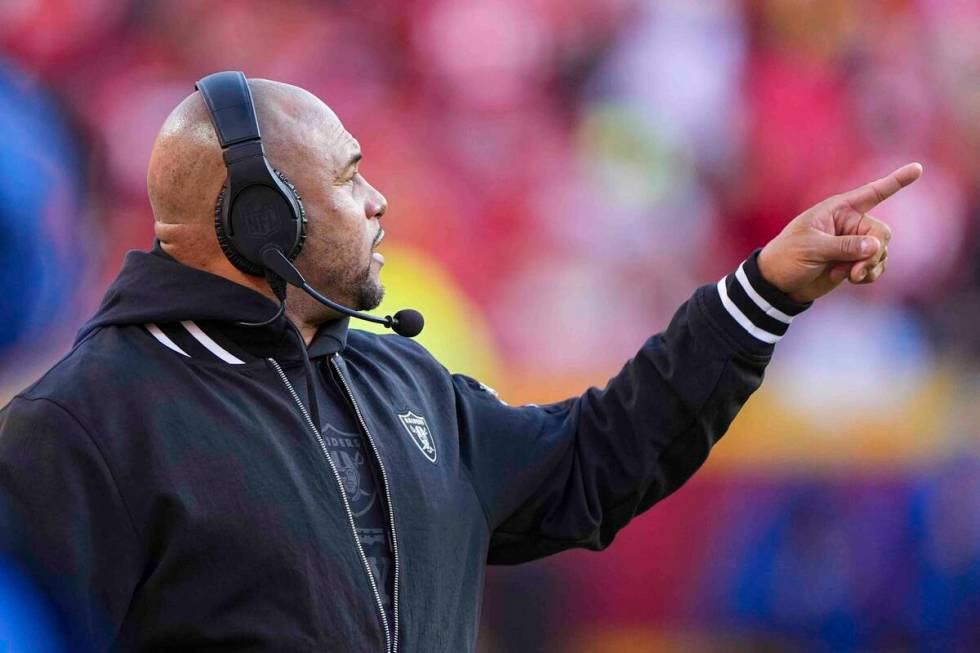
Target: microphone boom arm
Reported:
[(406, 322)]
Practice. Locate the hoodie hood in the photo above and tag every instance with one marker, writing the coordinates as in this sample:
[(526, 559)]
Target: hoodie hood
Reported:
[(153, 287)]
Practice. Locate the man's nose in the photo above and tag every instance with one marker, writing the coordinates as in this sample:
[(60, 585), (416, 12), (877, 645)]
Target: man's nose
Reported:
[(376, 204)]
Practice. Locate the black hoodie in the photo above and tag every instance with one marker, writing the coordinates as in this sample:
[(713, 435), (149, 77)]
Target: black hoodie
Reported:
[(166, 487)]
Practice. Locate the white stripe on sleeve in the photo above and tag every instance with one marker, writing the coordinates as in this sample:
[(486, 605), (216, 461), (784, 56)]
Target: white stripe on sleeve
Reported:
[(745, 322), (759, 300)]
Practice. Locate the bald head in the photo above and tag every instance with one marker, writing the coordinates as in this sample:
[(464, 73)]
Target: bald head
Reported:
[(305, 140), (186, 169)]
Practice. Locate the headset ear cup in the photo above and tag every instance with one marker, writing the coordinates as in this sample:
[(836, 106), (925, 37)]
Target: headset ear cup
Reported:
[(228, 247), (301, 240)]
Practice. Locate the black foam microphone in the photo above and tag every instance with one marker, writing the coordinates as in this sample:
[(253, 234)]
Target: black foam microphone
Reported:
[(406, 322)]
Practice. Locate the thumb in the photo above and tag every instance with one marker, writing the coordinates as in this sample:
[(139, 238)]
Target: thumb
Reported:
[(845, 248)]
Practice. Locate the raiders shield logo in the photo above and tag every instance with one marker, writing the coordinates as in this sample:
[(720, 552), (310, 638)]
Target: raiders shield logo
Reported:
[(418, 430)]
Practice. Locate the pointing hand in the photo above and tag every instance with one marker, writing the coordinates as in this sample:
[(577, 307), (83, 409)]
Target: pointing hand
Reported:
[(835, 240)]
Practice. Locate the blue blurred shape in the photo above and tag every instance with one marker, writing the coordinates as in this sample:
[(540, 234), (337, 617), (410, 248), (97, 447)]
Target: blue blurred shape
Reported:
[(27, 622), (41, 188)]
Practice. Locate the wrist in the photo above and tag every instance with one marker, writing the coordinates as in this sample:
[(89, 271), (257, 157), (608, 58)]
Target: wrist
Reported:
[(765, 268), (764, 265), (798, 298), (757, 312), (760, 270)]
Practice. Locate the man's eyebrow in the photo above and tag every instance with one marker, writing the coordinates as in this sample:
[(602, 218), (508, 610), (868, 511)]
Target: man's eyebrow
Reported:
[(357, 156)]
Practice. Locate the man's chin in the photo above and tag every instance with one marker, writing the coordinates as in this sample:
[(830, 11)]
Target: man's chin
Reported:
[(370, 298)]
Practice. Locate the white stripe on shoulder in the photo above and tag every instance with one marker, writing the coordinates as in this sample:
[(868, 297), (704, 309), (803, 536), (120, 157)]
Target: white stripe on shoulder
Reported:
[(759, 300), (735, 312), (164, 340), (210, 344)]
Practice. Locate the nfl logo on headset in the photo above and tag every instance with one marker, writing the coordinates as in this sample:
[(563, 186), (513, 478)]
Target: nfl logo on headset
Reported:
[(418, 430), (260, 221)]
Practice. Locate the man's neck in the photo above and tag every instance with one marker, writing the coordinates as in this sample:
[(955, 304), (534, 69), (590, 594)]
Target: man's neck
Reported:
[(307, 313), (219, 265), (307, 330), (299, 310)]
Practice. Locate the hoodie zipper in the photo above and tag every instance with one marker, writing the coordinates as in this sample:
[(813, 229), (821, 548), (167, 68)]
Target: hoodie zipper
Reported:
[(390, 642), (391, 508)]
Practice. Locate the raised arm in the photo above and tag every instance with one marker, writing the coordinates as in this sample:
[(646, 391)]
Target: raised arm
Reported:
[(572, 473)]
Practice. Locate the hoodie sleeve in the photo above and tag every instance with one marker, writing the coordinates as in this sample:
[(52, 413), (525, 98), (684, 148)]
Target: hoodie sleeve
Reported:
[(572, 473), (63, 521)]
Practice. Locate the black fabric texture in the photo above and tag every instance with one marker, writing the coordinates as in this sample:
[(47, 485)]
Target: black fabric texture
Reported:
[(176, 501)]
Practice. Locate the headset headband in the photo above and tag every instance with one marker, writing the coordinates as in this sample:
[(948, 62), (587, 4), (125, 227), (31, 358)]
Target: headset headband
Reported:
[(230, 104)]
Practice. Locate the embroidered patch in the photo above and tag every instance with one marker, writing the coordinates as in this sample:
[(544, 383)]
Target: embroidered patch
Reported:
[(418, 430)]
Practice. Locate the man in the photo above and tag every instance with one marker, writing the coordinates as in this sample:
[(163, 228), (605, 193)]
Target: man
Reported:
[(168, 485)]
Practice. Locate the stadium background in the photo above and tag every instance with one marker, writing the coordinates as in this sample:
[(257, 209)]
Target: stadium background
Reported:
[(561, 175)]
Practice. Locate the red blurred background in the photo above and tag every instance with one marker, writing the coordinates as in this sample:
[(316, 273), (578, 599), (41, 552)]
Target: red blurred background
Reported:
[(561, 174)]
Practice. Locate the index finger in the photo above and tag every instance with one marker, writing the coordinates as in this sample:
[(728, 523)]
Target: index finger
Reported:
[(866, 197)]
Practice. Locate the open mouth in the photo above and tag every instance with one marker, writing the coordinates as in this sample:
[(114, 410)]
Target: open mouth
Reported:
[(377, 256)]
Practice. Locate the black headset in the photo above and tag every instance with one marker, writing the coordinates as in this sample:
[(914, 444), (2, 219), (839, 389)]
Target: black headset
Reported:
[(258, 208)]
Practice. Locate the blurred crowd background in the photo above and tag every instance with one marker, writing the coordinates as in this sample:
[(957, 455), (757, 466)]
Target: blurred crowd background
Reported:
[(561, 175)]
